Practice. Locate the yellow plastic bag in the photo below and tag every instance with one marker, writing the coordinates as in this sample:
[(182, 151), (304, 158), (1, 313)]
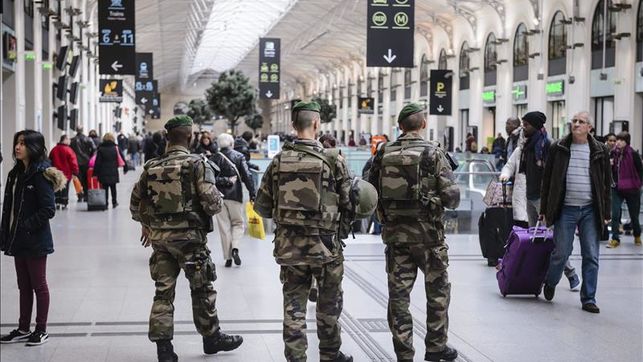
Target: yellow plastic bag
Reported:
[(255, 223)]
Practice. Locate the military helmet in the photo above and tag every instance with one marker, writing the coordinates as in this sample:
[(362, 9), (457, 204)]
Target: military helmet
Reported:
[(363, 198)]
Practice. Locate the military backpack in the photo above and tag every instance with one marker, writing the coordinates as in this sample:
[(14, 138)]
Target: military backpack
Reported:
[(171, 192), (406, 190), (305, 184)]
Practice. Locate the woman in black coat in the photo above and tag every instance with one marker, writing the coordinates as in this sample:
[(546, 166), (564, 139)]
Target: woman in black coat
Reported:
[(106, 166), (25, 233)]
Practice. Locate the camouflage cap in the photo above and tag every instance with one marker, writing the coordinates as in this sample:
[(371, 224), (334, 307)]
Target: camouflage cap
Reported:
[(307, 106), (408, 110), (179, 121)]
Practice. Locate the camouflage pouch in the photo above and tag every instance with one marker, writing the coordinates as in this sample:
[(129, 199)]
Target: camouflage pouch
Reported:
[(439, 257), (200, 270)]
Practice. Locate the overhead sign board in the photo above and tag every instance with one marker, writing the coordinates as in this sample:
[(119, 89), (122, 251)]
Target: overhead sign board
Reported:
[(365, 105), (389, 34), (110, 90), (116, 44), (155, 111), (441, 92), (269, 67), (144, 66), (145, 90)]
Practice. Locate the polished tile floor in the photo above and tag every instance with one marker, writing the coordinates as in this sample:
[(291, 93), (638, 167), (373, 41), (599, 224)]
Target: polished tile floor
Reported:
[(101, 294)]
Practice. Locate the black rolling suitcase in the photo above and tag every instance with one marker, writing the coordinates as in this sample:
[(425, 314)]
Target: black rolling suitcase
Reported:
[(494, 227)]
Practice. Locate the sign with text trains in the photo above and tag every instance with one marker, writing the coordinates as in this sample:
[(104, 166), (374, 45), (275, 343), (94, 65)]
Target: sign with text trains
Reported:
[(116, 44)]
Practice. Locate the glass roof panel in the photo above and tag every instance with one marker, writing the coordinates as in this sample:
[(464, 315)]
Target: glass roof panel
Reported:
[(234, 29)]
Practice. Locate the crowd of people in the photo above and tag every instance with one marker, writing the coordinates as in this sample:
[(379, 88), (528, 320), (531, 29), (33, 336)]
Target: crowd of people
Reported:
[(576, 185)]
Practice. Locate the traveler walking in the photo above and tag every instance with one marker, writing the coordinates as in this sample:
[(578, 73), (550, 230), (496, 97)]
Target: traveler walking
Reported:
[(63, 158), (84, 148), (95, 138), (121, 140), (610, 141), (514, 135), (133, 148), (230, 219), (25, 233), (176, 226), (526, 166), (576, 193), (308, 247), (108, 160), (414, 233), (206, 146), (627, 173), (471, 145)]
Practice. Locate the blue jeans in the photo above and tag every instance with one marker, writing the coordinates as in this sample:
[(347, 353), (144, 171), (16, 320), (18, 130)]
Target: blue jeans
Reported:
[(564, 228)]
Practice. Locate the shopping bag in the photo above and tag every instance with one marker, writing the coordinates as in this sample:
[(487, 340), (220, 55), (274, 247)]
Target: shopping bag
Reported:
[(255, 223), (77, 185), (119, 159)]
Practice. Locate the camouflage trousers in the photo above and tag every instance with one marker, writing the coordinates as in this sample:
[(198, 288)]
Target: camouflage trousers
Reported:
[(296, 282), (402, 264), (167, 260)]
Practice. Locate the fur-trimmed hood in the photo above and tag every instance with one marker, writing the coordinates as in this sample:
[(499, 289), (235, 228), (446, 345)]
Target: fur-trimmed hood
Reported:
[(56, 177)]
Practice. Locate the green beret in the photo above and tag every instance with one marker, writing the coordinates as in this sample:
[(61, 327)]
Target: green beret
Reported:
[(409, 109), (307, 106), (178, 121)]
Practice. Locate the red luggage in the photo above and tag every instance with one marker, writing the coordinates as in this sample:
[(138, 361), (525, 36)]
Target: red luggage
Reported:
[(92, 181)]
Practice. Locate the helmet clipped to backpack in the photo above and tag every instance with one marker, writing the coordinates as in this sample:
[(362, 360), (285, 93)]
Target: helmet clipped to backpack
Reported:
[(364, 198)]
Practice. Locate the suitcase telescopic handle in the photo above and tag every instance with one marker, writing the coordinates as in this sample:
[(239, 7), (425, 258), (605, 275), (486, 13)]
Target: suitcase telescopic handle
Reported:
[(535, 234)]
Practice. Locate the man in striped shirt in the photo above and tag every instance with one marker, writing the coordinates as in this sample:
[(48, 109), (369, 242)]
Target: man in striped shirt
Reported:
[(576, 194)]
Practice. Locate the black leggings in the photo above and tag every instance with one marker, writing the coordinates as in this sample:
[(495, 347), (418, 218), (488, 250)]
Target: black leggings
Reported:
[(107, 188)]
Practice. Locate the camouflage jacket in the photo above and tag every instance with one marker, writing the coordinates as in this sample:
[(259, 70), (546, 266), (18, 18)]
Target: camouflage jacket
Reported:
[(208, 196), (447, 195), (296, 245)]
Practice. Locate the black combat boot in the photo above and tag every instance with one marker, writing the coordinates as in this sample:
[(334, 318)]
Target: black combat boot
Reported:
[(341, 357), (221, 342), (448, 354), (165, 351)]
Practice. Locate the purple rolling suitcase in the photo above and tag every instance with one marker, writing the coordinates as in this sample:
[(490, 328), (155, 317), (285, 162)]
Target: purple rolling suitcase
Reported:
[(524, 267)]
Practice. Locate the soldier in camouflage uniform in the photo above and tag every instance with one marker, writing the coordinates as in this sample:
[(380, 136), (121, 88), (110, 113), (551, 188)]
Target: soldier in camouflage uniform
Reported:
[(174, 200), (305, 189), (415, 182)]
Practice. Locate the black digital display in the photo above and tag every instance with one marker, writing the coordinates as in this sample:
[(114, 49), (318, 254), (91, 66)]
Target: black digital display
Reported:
[(61, 58), (73, 93), (61, 87), (73, 67)]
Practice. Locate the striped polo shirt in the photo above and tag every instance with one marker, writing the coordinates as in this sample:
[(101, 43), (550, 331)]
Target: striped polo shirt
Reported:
[(579, 183)]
